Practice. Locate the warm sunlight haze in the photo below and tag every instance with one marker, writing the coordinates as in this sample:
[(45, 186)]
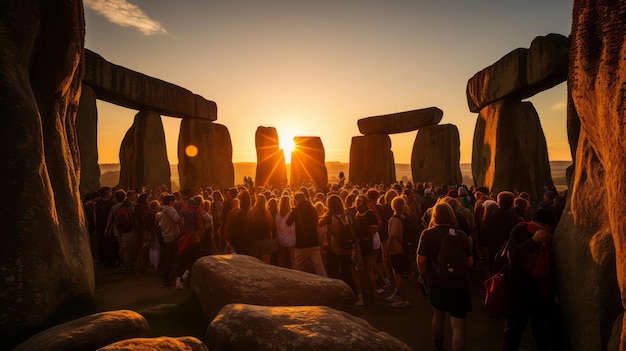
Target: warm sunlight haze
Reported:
[(316, 68)]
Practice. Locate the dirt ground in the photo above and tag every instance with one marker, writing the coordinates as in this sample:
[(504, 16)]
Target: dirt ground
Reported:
[(175, 312)]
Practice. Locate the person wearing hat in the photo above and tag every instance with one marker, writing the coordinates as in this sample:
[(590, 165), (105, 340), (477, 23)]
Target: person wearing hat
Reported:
[(532, 296)]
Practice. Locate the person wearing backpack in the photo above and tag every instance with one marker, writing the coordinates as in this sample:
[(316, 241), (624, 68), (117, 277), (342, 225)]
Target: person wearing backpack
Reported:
[(444, 257), (342, 240), (399, 258), (121, 225)]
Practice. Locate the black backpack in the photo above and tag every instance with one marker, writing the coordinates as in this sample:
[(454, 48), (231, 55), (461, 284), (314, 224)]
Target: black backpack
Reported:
[(411, 231), (124, 218), (453, 254), (345, 238)]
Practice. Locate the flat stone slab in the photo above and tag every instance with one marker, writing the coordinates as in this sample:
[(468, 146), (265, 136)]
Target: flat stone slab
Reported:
[(248, 327), (400, 122), (122, 86), (521, 73), (219, 280)]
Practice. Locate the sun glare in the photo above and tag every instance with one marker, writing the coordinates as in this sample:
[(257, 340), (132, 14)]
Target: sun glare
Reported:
[(287, 145), (191, 151)]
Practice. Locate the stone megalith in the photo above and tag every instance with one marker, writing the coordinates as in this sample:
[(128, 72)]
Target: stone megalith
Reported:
[(308, 161), (205, 155), (87, 136), (270, 164), (250, 327), (143, 154), (371, 160), (436, 155), (590, 241), (45, 260), (400, 122), (163, 343), (510, 151), (521, 73)]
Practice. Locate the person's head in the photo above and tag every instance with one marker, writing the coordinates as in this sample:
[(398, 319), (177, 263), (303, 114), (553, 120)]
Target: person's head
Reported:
[(453, 202), (168, 200), (398, 204), (272, 204), (524, 195), (143, 199), (350, 198), (244, 200), (506, 200), (442, 215), (390, 195), (120, 195), (453, 193), (131, 195), (362, 203), (545, 217), (217, 196), (335, 205), (372, 195), (549, 195), (320, 208), (261, 202), (154, 206), (299, 197), (463, 191), (285, 205)]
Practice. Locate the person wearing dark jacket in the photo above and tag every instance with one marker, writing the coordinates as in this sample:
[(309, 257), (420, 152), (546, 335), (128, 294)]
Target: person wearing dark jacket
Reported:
[(307, 252)]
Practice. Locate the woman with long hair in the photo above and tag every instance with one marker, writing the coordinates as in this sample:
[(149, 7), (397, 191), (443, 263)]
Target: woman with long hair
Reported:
[(260, 224), (446, 295), (286, 233)]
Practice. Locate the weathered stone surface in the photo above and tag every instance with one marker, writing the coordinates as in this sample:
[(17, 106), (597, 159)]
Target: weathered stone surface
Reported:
[(521, 73), (247, 327), (89, 332), (213, 163), (143, 154), (371, 160), (184, 343), (597, 77), (87, 136), (137, 91), (400, 122), (510, 151), (45, 260), (308, 161), (270, 165), (219, 280), (436, 155)]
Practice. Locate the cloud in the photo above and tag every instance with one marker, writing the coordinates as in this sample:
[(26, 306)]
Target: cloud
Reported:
[(125, 14), (559, 106)]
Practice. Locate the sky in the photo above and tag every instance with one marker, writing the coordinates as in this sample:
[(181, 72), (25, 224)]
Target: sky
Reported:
[(314, 68)]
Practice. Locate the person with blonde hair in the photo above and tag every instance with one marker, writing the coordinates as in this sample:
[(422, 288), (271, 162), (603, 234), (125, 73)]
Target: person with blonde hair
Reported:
[(446, 295), (260, 225), (399, 259)]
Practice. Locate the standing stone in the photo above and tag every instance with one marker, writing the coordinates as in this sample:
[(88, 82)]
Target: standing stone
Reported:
[(400, 122), (270, 165), (590, 241), (212, 165), (143, 154), (371, 160), (308, 161), (436, 155), (45, 259), (87, 135), (510, 150)]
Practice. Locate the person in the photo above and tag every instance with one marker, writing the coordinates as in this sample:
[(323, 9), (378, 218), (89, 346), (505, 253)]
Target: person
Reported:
[(365, 226), (286, 233), (192, 226), (399, 259), (448, 296), (307, 252), (339, 258), (496, 228), (125, 234), (531, 297), (156, 238), (107, 244), (260, 227), (169, 221)]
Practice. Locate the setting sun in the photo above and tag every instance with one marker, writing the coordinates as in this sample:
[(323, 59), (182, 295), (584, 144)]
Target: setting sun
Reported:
[(287, 145)]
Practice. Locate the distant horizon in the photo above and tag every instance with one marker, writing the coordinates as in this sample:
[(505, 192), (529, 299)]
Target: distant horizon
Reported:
[(397, 163)]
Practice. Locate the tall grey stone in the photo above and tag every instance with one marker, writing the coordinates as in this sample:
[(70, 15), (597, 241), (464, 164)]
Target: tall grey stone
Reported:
[(590, 241), (143, 153), (510, 151), (45, 259), (371, 160), (87, 135), (212, 165), (308, 161), (436, 155), (270, 165), (400, 122)]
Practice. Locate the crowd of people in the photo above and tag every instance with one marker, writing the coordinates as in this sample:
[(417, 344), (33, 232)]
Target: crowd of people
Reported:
[(358, 234)]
